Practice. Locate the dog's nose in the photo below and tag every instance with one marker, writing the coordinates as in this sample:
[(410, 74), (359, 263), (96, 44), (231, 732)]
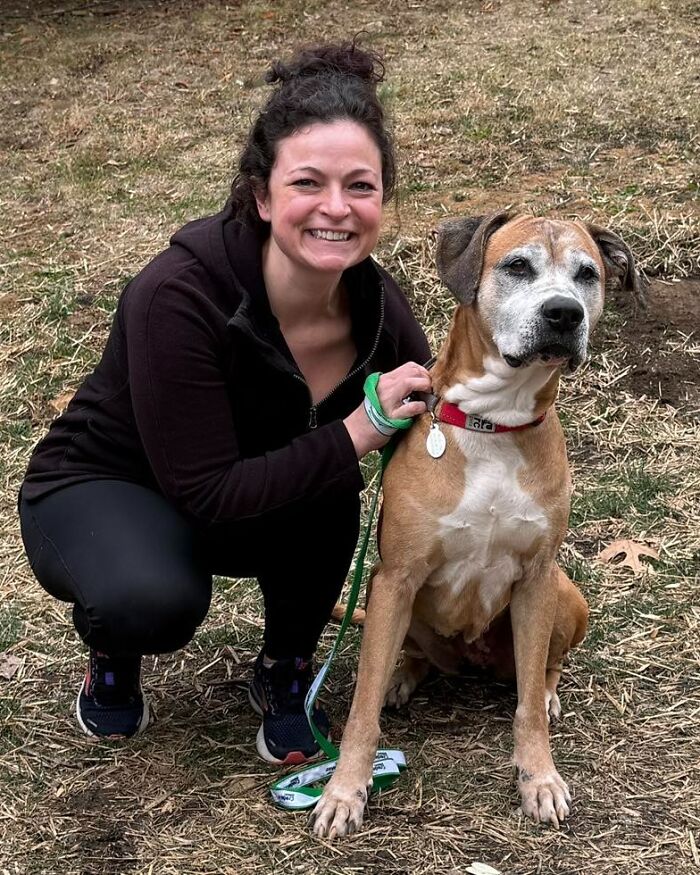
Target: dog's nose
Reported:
[(562, 314)]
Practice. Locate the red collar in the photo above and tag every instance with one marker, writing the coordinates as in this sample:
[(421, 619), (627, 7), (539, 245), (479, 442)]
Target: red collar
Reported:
[(452, 415)]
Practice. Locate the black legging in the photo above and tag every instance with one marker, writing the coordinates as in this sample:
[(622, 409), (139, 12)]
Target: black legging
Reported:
[(139, 574)]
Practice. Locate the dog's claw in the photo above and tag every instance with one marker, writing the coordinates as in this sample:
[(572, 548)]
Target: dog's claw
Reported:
[(340, 810), (544, 797)]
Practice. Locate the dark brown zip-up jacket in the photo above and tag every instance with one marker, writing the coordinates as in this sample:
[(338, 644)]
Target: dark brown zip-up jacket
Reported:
[(198, 396)]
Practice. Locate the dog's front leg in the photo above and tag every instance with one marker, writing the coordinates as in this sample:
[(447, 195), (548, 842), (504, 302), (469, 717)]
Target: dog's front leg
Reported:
[(341, 808), (544, 795)]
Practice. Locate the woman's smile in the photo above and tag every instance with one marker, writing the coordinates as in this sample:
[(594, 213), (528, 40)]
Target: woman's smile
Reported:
[(335, 236)]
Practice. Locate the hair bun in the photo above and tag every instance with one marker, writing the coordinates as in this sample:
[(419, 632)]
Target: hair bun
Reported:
[(346, 59)]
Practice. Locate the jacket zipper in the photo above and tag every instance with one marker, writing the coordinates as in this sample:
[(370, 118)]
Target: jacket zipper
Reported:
[(313, 408)]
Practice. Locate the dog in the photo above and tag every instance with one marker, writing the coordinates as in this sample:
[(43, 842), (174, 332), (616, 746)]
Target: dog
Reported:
[(476, 499)]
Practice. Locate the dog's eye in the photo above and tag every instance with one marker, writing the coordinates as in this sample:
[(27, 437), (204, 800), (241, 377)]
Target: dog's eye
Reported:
[(586, 273), (518, 267)]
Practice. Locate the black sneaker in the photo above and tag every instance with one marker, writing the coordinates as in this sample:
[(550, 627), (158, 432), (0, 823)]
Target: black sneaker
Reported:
[(277, 694), (110, 703)]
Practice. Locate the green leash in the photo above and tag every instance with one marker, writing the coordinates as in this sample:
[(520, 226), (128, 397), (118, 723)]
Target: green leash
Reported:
[(297, 791)]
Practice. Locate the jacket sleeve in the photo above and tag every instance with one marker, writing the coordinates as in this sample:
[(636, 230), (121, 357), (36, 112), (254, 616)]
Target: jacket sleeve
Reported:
[(184, 418)]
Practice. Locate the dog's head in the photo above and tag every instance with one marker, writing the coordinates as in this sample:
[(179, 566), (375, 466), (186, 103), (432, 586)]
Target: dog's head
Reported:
[(538, 284)]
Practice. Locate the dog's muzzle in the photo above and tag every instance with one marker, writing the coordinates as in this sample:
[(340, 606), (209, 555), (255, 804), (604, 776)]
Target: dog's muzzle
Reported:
[(559, 340)]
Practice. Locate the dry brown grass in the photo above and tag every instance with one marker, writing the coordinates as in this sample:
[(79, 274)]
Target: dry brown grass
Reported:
[(121, 122)]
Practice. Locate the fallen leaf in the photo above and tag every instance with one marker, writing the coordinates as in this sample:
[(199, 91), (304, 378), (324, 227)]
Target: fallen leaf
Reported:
[(630, 551), (9, 666), (60, 402)]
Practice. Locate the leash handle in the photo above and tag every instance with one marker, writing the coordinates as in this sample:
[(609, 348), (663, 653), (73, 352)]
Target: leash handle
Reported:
[(296, 792), (370, 389)]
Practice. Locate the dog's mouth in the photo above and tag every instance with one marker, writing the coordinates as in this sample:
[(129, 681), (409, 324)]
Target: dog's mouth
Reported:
[(553, 355)]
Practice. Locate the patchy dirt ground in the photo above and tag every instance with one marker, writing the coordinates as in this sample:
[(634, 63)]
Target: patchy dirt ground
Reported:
[(655, 341), (121, 122)]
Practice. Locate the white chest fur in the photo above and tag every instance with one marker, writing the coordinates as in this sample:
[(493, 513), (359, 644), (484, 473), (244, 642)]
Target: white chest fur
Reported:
[(495, 523)]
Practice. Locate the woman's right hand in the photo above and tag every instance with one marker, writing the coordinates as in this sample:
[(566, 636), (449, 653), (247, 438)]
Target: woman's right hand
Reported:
[(393, 389)]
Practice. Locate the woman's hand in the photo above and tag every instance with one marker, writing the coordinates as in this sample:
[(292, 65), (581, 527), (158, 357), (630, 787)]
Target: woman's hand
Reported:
[(392, 390)]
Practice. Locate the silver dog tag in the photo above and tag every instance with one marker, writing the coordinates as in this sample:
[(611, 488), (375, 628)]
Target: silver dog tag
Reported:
[(435, 443)]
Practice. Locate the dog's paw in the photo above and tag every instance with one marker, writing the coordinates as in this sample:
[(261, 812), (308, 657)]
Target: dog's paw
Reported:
[(340, 809), (400, 690), (544, 796), (552, 705), (405, 680)]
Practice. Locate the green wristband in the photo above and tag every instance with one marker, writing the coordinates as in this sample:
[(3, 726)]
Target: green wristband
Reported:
[(370, 388)]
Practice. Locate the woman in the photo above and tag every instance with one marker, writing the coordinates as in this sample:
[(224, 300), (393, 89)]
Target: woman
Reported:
[(221, 431)]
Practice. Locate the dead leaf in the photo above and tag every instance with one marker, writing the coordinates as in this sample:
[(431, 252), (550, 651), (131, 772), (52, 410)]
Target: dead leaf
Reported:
[(9, 666), (630, 551), (60, 402)]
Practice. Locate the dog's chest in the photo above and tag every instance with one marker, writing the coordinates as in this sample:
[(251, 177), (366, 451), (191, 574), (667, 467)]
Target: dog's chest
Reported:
[(484, 539)]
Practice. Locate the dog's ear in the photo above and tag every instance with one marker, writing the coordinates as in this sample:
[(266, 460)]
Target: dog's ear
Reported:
[(460, 252), (618, 262)]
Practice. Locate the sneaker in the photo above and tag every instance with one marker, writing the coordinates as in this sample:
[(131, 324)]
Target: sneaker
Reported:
[(277, 694), (111, 703)]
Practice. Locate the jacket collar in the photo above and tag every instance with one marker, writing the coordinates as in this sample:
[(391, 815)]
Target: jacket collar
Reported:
[(242, 247)]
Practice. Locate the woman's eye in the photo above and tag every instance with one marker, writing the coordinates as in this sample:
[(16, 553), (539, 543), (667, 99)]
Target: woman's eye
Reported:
[(362, 186), (304, 183)]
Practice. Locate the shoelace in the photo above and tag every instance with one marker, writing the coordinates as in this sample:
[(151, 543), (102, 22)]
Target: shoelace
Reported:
[(286, 684)]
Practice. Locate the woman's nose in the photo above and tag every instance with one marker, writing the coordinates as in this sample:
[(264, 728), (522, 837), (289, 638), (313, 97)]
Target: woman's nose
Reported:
[(335, 203)]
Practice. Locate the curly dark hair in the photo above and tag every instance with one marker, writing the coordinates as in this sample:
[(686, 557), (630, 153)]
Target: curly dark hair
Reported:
[(323, 83)]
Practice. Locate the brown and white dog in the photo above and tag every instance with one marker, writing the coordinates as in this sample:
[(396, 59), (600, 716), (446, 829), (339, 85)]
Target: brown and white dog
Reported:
[(470, 534)]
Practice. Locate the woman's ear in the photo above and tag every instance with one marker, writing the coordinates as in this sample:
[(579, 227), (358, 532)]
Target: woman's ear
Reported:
[(262, 201)]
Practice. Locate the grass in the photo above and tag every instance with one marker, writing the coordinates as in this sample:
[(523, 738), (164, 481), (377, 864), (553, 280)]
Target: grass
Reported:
[(10, 626), (123, 121), (630, 489)]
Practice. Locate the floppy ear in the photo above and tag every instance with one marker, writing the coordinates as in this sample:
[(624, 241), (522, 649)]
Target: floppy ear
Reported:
[(460, 252), (618, 261)]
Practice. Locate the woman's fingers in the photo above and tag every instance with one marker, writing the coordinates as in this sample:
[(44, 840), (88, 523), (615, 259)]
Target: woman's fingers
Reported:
[(413, 408), (395, 387)]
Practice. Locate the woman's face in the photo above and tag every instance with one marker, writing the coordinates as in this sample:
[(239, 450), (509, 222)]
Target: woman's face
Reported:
[(324, 197)]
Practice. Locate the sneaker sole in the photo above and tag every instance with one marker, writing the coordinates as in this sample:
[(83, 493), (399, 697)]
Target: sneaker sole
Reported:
[(145, 720), (293, 758)]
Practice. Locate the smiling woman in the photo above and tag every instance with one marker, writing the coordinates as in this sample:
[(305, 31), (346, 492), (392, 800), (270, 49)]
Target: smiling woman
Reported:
[(221, 431)]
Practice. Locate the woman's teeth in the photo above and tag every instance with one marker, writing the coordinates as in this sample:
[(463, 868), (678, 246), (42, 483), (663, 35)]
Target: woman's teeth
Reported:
[(330, 235)]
